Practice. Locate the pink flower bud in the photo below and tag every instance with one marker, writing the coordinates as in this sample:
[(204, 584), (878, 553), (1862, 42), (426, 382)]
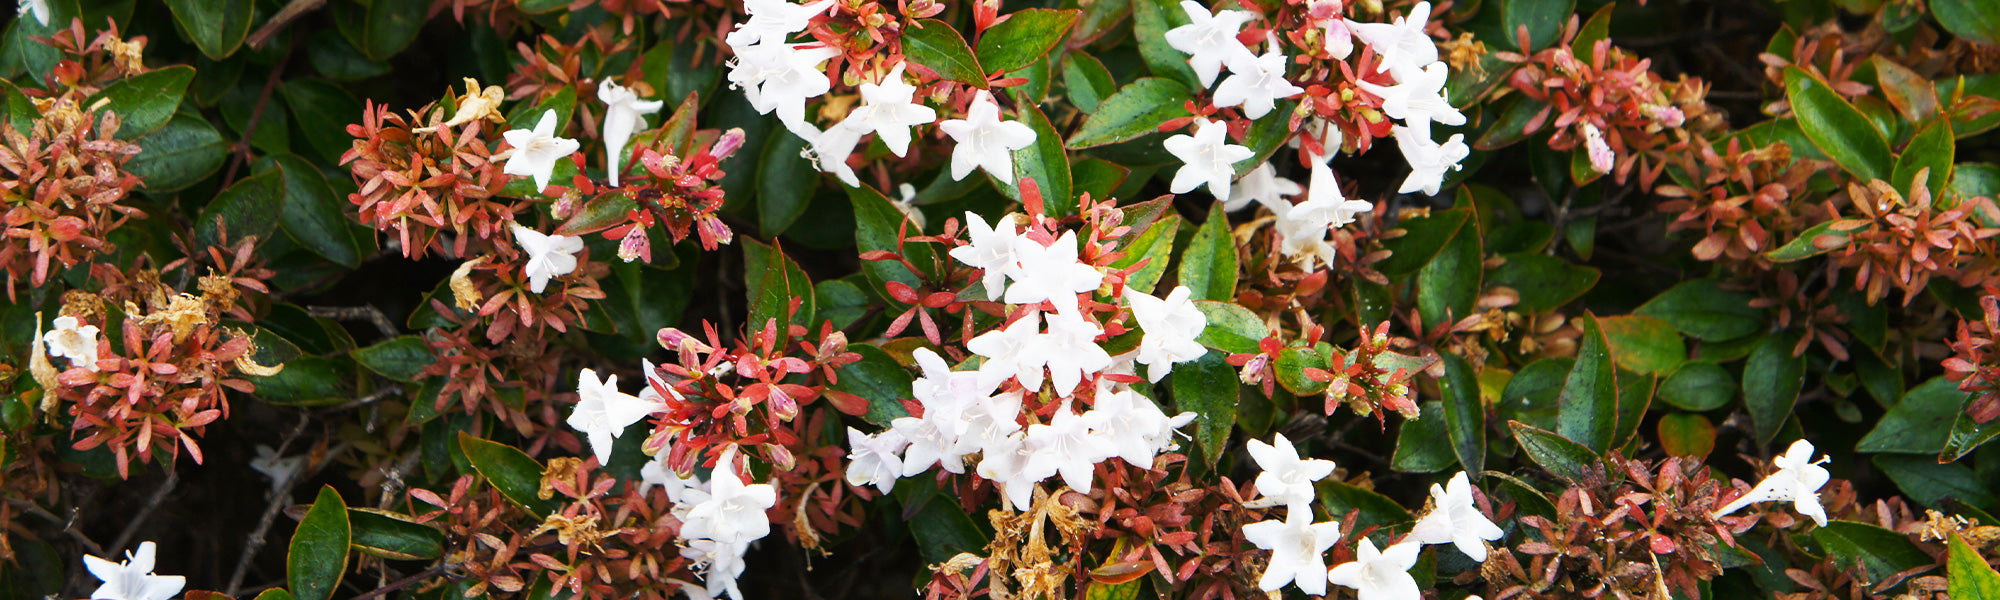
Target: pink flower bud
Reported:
[(1666, 115), (566, 204), (727, 144), (782, 403), (635, 245), (675, 339), (715, 229), (780, 457), (1601, 157)]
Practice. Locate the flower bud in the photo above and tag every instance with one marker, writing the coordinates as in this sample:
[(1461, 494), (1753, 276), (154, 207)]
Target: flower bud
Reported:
[(833, 344), (716, 229), (635, 245), (782, 404), (781, 457), (1253, 371), (1601, 157), (674, 339), (566, 204), (728, 143)]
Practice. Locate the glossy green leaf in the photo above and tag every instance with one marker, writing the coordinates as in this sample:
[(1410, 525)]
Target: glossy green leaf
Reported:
[(1265, 136), (1207, 387), (314, 216), (1531, 501), (512, 472), (401, 358), (1086, 80), (1635, 395), (1543, 18), (1136, 110), (394, 536), (934, 45), (1703, 309), (20, 51), (323, 111), (1155, 246), (1292, 363), (1597, 27), (1372, 508), (307, 381), (1463, 413), (1587, 407), (391, 25), (216, 27), (1966, 572), (878, 227), (1449, 284), (1421, 241), (1974, 20), (274, 594), (1209, 265), (942, 529), (773, 281), (1926, 482), (1151, 19), (1543, 282), (1511, 126), (1967, 435), (1557, 454), (785, 183), (1024, 37), (1422, 445), (1530, 395), (1698, 386), (877, 378), (1836, 127), (318, 555), (1919, 422), (1642, 343), (1043, 161), (1930, 151), (1882, 552), (184, 152), (1772, 378), (145, 102), (1231, 328), (251, 206)]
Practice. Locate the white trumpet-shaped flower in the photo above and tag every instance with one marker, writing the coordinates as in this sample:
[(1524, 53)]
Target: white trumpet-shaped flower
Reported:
[(624, 114), (1797, 481), (1050, 273), (1380, 574), (1403, 46), (602, 412), (1130, 426), (1286, 477), (782, 77), (1264, 186), (771, 21), (1210, 41), (1064, 446), (1207, 158), (1454, 520), (1429, 161), (875, 459), (72, 340), (985, 141), (887, 112), (733, 512), (134, 578), (1298, 547), (991, 250), (1011, 351), (1418, 99), (831, 148), (1171, 325), (549, 256), (1071, 352), (536, 151), (1258, 86)]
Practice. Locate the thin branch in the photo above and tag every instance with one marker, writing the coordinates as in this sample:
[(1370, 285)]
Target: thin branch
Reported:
[(279, 498), (292, 11), (371, 398), (434, 571), (256, 113), (68, 525), (367, 313), (152, 503)]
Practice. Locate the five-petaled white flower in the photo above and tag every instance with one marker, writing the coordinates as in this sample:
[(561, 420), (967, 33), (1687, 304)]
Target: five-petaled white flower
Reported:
[(1286, 477), (1011, 351), (991, 250), (1418, 99), (1064, 446), (986, 422), (1130, 426), (985, 141), (1428, 160), (1050, 273), (536, 150), (720, 563), (831, 148), (39, 9), (134, 578), (1258, 85), (1380, 574), (549, 256), (73, 341), (772, 20), (1070, 349), (1403, 46), (602, 412), (1171, 325), (1454, 520), (1264, 186), (1208, 157), (624, 113), (1005, 463), (1339, 41), (1297, 547), (1210, 40), (733, 512), (1326, 190), (781, 77), (887, 112), (1797, 481), (873, 459), (657, 472)]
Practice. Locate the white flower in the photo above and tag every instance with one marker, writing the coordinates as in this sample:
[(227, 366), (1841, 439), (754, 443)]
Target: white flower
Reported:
[(1258, 85), (720, 562), (944, 394), (1064, 445), (991, 250), (1302, 228), (830, 151), (944, 388), (873, 460), (1208, 158), (1263, 185), (887, 112), (984, 141), (1380, 574), (1418, 99), (624, 113), (1297, 547), (39, 9), (602, 412), (549, 256), (1170, 326), (656, 472), (1402, 44), (733, 511), (134, 578), (1210, 40), (903, 205), (772, 20), (1339, 211), (1453, 519), (276, 468), (1050, 273), (1012, 351), (78, 343), (1005, 464), (1131, 427), (536, 150), (781, 77), (1601, 157), (1286, 477), (1339, 41), (986, 423), (1070, 349), (1797, 480), (1428, 160)]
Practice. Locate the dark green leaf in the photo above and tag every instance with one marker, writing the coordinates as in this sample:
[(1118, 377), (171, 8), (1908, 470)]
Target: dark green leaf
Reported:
[(512, 472), (1772, 378), (1684, 434), (1931, 484), (1530, 395), (785, 183), (20, 51), (1086, 80), (1463, 413), (184, 152), (1150, 21), (1532, 501), (1836, 127), (1208, 267), (1155, 246), (1422, 446), (1598, 27), (1292, 363), (401, 358), (1919, 422), (1511, 125), (1207, 387), (307, 381), (1424, 237), (146, 101), (1880, 551), (1967, 435), (1449, 284), (1043, 161), (1698, 386), (323, 111), (878, 378), (334, 58), (251, 206), (597, 214), (1635, 395), (1644, 344), (217, 28), (393, 536), (1375, 510), (1931, 148), (878, 228), (391, 26), (1702, 309), (1025, 37), (1544, 19), (1231, 328), (1587, 408), (1974, 20), (941, 528), (933, 45), (1266, 135), (318, 555), (1557, 454), (773, 282), (1136, 110), (314, 216), (1543, 282)]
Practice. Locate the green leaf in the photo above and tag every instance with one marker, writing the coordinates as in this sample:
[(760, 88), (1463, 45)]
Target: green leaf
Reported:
[(1208, 266), (1530, 395), (1266, 135), (877, 228), (217, 28), (1511, 125), (1449, 284), (251, 206), (334, 58), (597, 214), (1086, 80), (1543, 282), (1155, 246), (1587, 408), (318, 555), (1772, 378), (307, 381), (314, 216), (933, 45), (1598, 27), (1532, 501), (1836, 127), (184, 152), (1931, 148), (1136, 110), (1544, 19), (1097, 177), (1150, 21), (1882, 552), (1685, 434), (1911, 94), (1231, 328), (1421, 241), (1965, 436), (1967, 575), (1025, 37), (145, 102), (785, 183), (1422, 446), (1373, 509), (1463, 413), (511, 471), (1698, 386), (1919, 423), (391, 25), (1932, 484), (394, 536), (1207, 387), (1644, 344), (20, 51), (1635, 395), (941, 528), (878, 378), (1702, 309), (1292, 363), (1974, 20), (401, 358), (773, 281), (323, 111), (1557, 454), (1043, 161)]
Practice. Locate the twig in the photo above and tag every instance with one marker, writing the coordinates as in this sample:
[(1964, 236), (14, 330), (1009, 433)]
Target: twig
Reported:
[(152, 503), (257, 113), (285, 16), (68, 525), (371, 398), (434, 571), (367, 313), (278, 498)]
